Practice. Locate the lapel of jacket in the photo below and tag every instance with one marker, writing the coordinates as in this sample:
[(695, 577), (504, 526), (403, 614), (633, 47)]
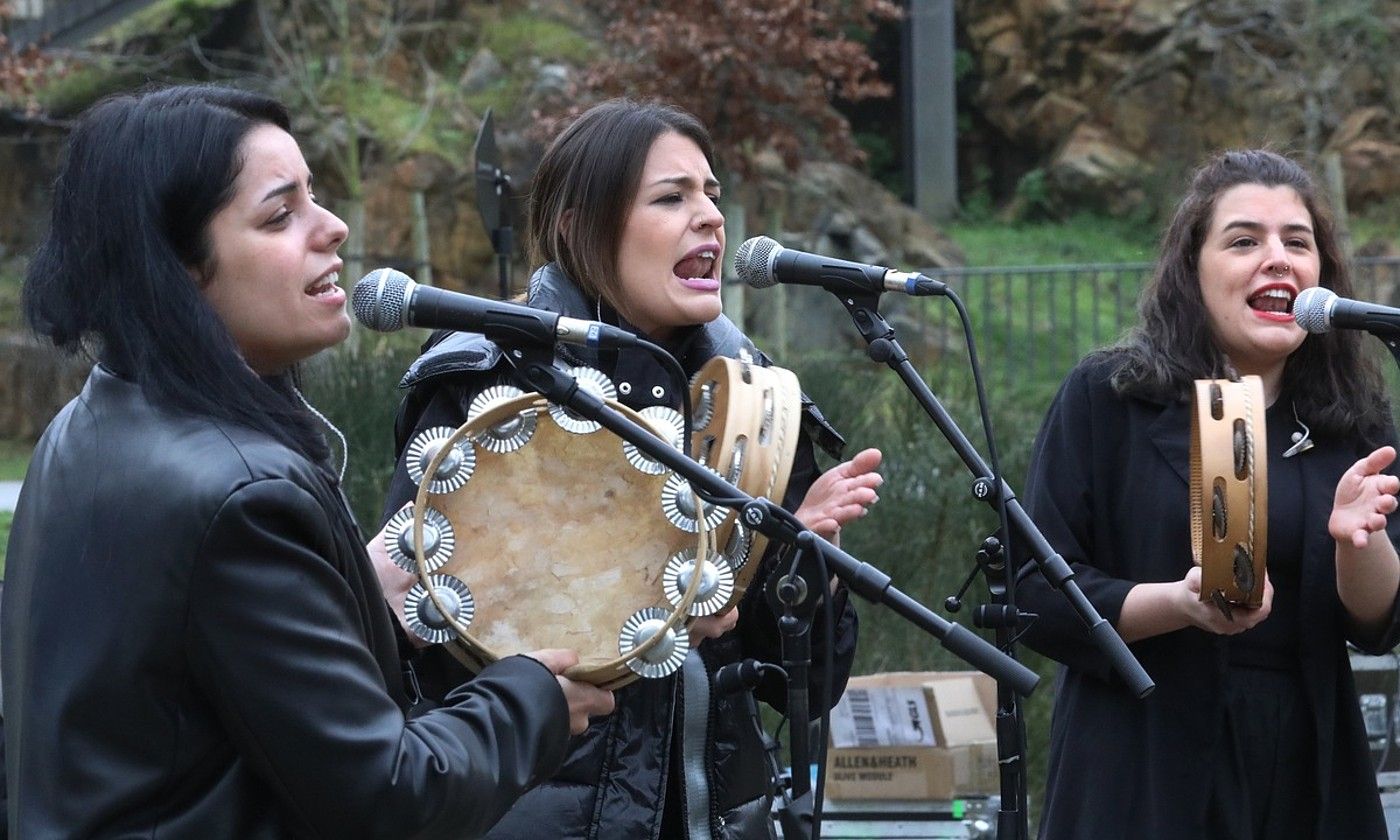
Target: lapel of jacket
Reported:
[(1170, 433)]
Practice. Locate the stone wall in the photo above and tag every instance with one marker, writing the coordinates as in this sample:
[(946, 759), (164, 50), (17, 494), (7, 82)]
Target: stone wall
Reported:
[(1117, 98)]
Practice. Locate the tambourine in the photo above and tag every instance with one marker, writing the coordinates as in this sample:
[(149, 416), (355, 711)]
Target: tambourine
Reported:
[(1229, 491), (747, 421), (535, 528)]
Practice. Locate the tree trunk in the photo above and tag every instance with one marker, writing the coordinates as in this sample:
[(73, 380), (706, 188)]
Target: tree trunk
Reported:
[(422, 248), (731, 290)]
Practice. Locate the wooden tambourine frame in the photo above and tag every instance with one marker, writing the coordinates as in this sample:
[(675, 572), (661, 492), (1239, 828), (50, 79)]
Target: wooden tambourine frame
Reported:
[(747, 421), (1229, 491)]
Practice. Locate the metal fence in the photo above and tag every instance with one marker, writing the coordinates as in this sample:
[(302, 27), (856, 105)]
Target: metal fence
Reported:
[(1034, 323)]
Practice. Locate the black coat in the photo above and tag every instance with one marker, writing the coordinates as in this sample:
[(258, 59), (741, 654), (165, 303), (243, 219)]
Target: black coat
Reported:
[(1108, 487), (195, 645), (614, 783)]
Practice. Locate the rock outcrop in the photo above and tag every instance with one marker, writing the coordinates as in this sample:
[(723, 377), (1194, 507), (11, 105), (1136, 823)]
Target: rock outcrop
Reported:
[(1119, 98)]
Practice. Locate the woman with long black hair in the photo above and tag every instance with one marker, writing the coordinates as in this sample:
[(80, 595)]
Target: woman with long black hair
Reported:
[(194, 642)]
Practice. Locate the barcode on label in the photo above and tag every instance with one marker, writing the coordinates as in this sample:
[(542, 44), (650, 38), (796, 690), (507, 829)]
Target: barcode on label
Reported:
[(864, 718), (881, 717)]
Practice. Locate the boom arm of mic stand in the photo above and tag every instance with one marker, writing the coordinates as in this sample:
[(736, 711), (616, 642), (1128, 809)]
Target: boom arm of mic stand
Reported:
[(879, 334), (865, 580)]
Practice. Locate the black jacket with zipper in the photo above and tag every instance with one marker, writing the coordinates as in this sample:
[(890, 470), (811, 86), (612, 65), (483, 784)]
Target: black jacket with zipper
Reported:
[(615, 781)]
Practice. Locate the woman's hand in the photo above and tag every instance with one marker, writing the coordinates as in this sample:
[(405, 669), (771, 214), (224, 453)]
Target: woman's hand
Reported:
[(585, 699), (1365, 496), (713, 626), (1207, 616), (1152, 609), (394, 582), (841, 494)]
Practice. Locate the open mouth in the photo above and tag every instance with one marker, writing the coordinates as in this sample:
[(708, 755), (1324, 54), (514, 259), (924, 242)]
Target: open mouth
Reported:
[(699, 266), (325, 286), (1275, 300)]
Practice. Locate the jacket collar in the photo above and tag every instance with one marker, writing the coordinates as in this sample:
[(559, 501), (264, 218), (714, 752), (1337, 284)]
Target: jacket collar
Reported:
[(1170, 433)]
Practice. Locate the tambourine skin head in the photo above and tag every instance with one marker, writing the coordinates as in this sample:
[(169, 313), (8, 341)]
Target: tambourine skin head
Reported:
[(561, 540), (1229, 501)]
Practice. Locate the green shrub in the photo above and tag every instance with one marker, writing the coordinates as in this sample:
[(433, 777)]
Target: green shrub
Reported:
[(6, 517), (356, 387)]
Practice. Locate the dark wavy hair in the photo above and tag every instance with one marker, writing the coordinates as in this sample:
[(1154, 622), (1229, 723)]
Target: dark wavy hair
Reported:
[(586, 182), (1335, 386), (142, 176)]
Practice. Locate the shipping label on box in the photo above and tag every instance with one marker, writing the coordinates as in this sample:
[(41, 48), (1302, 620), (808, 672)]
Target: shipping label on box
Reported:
[(882, 717), (886, 741)]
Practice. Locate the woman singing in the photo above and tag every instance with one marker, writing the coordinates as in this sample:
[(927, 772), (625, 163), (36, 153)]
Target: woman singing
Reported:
[(1254, 729), (194, 640), (625, 222)]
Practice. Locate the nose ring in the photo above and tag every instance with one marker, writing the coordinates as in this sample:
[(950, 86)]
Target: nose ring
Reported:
[(1281, 270)]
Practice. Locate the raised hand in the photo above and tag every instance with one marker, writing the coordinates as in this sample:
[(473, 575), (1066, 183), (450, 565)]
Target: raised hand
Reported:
[(1365, 496), (841, 494)]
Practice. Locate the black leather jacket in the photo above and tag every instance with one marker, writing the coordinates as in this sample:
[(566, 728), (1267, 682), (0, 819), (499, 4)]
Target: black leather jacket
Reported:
[(195, 645), (615, 781)]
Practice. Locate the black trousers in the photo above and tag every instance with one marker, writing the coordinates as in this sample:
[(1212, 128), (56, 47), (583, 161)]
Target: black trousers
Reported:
[(1264, 784)]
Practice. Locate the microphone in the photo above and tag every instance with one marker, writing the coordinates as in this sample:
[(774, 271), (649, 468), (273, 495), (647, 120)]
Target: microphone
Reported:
[(744, 675), (1319, 310), (761, 262), (386, 300)]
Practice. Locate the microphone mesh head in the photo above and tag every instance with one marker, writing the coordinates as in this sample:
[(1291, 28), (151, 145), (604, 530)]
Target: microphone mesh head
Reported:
[(754, 261), (380, 299), (1311, 309)]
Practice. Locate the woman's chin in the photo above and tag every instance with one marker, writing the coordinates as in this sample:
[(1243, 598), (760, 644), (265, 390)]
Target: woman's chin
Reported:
[(707, 310)]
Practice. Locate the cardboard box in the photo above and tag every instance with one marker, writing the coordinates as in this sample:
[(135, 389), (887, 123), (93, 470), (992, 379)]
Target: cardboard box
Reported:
[(914, 735)]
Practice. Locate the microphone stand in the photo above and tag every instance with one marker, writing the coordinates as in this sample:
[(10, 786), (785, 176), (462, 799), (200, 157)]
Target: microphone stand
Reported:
[(795, 596), (493, 200), (883, 347), (1001, 615)]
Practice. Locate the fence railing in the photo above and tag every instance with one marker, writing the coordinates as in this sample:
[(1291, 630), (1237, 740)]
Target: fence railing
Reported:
[(1034, 323)]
